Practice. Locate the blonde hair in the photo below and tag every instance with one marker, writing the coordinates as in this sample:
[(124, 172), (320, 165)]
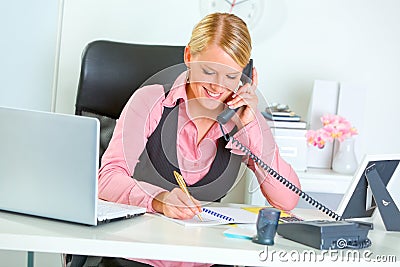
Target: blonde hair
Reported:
[(225, 30)]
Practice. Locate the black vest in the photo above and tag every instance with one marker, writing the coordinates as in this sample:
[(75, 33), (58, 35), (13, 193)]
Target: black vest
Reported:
[(159, 159)]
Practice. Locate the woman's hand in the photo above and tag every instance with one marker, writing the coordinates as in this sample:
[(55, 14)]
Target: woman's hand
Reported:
[(176, 204), (245, 97)]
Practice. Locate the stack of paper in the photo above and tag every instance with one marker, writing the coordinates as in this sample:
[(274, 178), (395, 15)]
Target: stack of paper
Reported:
[(281, 116)]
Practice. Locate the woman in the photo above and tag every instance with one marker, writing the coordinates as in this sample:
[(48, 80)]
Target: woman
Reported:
[(162, 130)]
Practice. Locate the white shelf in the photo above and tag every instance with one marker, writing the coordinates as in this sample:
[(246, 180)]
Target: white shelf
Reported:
[(324, 181), (323, 173), (313, 180)]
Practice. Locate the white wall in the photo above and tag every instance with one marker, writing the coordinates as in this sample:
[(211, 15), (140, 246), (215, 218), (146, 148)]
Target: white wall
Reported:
[(297, 42), (350, 41), (28, 49)]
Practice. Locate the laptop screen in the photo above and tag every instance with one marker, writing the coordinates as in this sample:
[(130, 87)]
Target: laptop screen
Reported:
[(49, 164)]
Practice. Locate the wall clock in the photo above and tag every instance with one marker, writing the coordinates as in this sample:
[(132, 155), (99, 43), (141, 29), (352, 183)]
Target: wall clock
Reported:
[(248, 10)]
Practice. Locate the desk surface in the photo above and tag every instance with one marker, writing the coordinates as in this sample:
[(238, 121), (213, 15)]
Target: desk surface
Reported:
[(149, 236)]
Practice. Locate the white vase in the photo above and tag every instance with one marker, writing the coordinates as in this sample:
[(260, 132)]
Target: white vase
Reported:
[(345, 161)]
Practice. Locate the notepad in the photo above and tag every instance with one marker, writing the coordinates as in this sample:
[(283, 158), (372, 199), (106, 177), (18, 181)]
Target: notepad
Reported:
[(219, 215)]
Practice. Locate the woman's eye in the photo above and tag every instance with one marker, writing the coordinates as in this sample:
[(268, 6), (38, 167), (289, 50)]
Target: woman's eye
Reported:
[(208, 72), (232, 77)]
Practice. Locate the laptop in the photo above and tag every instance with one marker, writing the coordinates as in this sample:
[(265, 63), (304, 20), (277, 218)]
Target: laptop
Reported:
[(49, 165)]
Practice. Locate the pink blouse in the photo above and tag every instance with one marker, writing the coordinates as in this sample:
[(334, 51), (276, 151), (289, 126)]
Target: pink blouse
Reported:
[(137, 122)]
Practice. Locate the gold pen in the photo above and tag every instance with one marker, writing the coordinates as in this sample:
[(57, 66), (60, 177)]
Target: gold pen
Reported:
[(182, 185)]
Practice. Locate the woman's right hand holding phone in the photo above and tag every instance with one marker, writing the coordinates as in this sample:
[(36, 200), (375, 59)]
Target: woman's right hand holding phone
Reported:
[(245, 97)]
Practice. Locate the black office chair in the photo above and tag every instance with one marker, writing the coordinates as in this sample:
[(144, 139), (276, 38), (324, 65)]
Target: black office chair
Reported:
[(112, 71), (110, 74)]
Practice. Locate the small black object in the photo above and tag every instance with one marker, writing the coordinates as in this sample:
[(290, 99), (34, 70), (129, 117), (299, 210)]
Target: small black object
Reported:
[(267, 223)]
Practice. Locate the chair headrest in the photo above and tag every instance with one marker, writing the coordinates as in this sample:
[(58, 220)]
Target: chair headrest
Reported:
[(112, 71)]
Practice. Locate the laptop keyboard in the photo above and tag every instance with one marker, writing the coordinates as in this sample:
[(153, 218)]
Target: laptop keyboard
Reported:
[(107, 211)]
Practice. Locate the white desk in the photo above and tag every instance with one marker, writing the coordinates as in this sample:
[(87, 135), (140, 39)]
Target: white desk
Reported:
[(152, 237)]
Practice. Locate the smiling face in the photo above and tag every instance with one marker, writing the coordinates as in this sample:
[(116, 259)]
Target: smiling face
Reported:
[(213, 77)]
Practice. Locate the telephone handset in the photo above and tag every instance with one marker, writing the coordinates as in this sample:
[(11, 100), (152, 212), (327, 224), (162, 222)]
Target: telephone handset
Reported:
[(247, 76)]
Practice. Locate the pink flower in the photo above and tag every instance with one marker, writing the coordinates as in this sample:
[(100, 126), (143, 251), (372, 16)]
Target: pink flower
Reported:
[(334, 127)]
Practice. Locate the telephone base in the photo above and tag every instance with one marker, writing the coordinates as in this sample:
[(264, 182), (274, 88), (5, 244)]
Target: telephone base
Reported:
[(324, 235)]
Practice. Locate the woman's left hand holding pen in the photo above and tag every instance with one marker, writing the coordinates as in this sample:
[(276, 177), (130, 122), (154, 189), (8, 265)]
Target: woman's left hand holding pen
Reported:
[(176, 204)]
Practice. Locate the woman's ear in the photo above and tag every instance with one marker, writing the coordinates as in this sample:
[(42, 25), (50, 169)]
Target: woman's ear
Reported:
[(187, 57)]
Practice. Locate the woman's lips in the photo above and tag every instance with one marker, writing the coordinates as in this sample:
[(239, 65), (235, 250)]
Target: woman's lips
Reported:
[(212, 94)]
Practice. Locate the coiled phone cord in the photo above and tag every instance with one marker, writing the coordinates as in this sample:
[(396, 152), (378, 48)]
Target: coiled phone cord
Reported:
[(280, 178)]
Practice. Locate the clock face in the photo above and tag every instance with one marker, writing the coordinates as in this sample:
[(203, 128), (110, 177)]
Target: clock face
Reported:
[(248, 10)]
